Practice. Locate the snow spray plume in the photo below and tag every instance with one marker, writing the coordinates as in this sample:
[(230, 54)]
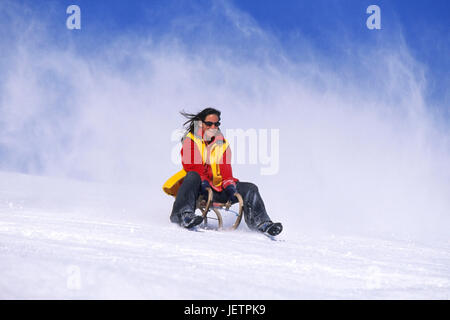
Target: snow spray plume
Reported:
[(359, 148)]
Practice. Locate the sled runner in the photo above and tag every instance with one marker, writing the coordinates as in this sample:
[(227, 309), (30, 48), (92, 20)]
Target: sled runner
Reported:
[(206, 205)]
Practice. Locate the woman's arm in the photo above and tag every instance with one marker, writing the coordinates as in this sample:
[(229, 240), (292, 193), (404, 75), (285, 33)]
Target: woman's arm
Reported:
[(225, 169)]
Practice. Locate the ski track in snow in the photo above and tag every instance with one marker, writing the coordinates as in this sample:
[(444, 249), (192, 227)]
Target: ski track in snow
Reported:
[(71, 245)]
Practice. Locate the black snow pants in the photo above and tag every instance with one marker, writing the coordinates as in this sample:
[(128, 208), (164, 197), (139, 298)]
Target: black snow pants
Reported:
[(185, 201)]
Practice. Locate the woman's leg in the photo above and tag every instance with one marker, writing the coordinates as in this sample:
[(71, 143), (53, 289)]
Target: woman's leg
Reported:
[(254, 210), (185, 201)]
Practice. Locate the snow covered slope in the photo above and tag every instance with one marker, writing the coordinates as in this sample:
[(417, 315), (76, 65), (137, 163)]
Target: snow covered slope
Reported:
[(69, 240)]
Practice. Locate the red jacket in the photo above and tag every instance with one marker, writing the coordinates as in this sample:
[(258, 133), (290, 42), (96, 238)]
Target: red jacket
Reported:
[(191, 159)]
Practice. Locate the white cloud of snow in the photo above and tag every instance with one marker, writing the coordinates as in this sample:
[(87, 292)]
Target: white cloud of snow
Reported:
[(359, 147)]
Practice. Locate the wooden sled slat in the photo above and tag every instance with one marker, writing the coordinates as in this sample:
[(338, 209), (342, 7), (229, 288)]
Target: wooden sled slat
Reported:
[(205, 207)]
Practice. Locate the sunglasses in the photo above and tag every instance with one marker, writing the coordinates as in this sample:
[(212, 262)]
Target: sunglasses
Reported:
[(210, 124)]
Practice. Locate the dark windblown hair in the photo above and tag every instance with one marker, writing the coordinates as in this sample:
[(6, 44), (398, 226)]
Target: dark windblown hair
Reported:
[(189, 125)]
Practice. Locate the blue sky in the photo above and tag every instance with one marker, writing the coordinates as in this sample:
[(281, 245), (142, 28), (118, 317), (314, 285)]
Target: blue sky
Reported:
[(320, 44), (425, 26), (326, 24), (334, 29)]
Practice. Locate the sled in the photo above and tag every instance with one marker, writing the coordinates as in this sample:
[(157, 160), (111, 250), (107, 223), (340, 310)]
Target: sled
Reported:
[(207, 205)]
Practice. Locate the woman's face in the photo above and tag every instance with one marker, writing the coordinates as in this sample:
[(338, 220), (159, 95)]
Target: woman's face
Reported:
[(210, 131)]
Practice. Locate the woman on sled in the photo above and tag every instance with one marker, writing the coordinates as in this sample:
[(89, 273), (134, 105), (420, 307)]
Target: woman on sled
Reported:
[(206, 158)]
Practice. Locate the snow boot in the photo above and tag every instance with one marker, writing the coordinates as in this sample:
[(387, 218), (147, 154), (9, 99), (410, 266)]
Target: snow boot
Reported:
[(190, 220), (270, 228)]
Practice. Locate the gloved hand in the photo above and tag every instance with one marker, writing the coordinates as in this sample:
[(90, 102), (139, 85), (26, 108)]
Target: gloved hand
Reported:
[(230, 191), (205, 184)]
